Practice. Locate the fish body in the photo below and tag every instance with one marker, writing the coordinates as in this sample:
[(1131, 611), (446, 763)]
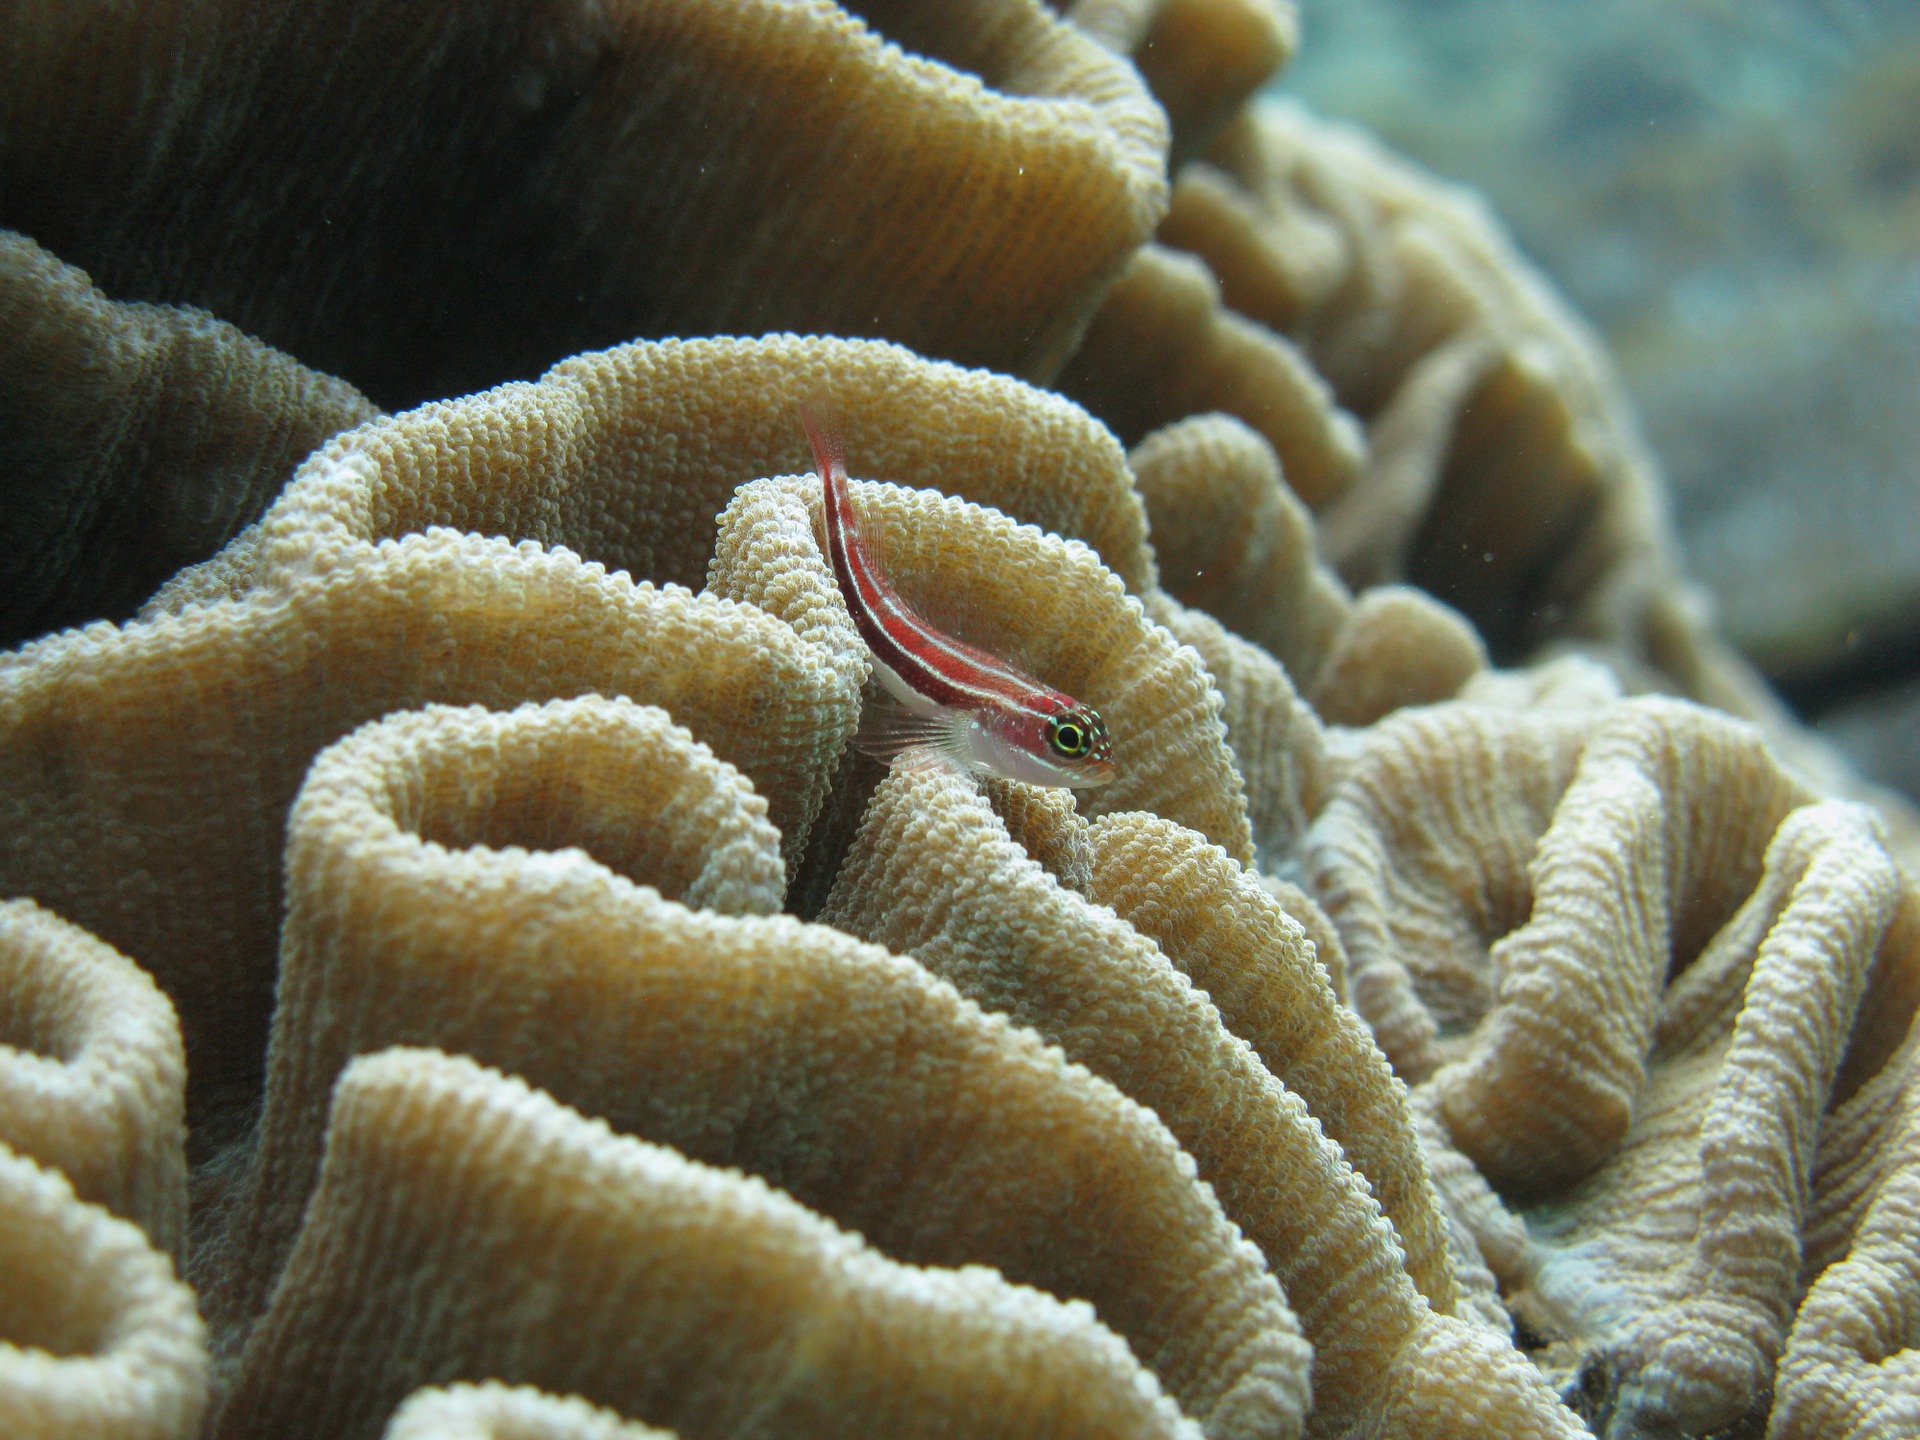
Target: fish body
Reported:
[(972, 706)]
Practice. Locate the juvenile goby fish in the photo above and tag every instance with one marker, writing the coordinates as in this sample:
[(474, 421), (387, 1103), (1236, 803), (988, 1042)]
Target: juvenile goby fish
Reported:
[(941, 693)]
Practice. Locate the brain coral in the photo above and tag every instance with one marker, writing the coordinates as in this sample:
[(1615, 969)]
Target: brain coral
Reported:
[(139, 438), (429, 199), (459, 980), (500, 1412)]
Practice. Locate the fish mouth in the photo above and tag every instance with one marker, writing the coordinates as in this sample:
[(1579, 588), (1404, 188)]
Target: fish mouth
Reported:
[(1088, 775)]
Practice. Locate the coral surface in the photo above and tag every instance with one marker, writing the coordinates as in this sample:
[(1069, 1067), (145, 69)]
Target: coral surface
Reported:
[(138, 438), (460, 952), (501, 1412), (702, 1273), (1732, 192)]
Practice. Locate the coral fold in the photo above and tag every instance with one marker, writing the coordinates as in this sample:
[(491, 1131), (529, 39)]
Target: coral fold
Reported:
[(98, 1340), (935, 873), (493, 1411), (1654, 991), (228, 702), (92, 1076), (137, 439), (440, 894), (430, 198), (465, 1223), (452, 910)]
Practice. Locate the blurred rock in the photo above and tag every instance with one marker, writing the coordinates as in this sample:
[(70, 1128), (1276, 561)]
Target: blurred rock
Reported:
[(1881, 731)]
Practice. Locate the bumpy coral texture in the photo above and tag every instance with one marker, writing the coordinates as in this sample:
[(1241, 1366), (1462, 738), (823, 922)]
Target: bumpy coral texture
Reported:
[(1640, 976), (493, 1411), (135, 439), (700, 1274), (936, 876), (1396, 1314), (848, 1077), (426, 200), (101, 1341), (1393, 1044), (1450, 422), (293, 632), (92, 1077), (1848, 1366), (1499, 470), (182, 742)]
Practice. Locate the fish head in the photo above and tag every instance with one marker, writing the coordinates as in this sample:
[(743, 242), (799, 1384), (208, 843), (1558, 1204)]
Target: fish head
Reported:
[(1059, 741)]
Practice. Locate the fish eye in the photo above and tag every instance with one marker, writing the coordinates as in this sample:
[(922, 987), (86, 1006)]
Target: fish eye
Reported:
[(1069, 736)]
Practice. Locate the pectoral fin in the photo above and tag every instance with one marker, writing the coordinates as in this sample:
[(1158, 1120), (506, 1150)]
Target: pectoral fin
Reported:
[(889, 730)]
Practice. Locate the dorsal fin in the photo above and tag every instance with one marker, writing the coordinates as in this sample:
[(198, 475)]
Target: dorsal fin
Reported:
[(821, 418), (822, 423)]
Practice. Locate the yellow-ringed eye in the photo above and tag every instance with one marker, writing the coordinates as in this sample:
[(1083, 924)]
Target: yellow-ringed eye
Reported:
[(1069, 737)]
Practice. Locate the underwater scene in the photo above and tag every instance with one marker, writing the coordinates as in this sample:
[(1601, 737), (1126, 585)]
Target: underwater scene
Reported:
[(1129, 719), (1731, 194)]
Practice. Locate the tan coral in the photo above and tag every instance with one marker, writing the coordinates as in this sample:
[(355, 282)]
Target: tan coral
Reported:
[(98, 1340), (535, 183), (1568, 682), (1227, 934), (462, 1219), (1370, 537), (1398, 648), (847, 1076), (1234, 541), (146, 772), (1045, 822), (1683, 643), (1867, 1092), (92, 1076), (1048, 605), (1320, 931), (1286, 240), (493, 1411), (627, 456), (300, 655), (1631, 1025), (1162, 347), (1669, 1277), (1503, 473), (445, 779), (1513, 888), (1657, 840), (1848, 1370), (935, 873), (1487, 1241), (1491, 469), (1422, 850), (1278, 742), (139, 438), (1202, 59), (1420, 857)]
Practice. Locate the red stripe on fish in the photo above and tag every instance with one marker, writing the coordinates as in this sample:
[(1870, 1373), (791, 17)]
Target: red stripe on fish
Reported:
[(1006, 722)]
